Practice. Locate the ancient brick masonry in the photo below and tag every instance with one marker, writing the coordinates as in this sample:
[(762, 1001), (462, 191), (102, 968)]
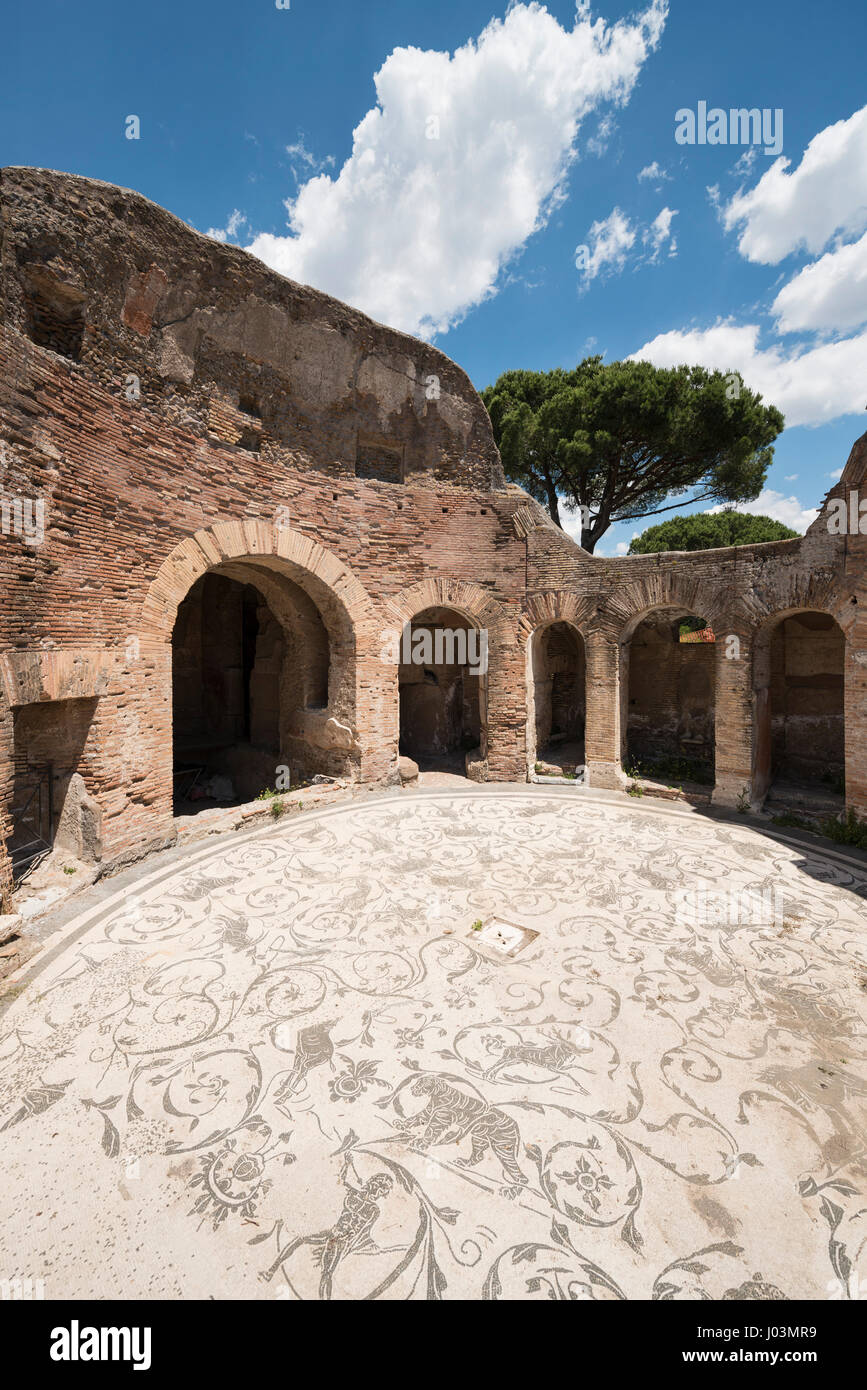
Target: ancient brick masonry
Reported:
[(181, 411), (5, 866)]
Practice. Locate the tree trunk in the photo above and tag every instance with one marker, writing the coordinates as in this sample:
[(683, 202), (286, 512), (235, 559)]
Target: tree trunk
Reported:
[(591, 537), (553, 505)]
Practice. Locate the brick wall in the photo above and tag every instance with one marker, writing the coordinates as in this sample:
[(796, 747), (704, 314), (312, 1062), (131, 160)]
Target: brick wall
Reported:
[(209, 421)]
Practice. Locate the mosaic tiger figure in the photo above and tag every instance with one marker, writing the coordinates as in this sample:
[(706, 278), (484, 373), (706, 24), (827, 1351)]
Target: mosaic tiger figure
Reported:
[(450, 1116)]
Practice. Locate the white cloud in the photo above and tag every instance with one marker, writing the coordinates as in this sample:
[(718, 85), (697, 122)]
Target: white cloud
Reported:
[(836, 474), (300, 158), (612, 240), (235, 221), (829, 294), (823, 200), (610, 243), (791, 477), (825, 195), (659, 232), (598, 143), (811, 385), (743, 166), (570, 522), (653, 172), (779, 508), (416, 230)]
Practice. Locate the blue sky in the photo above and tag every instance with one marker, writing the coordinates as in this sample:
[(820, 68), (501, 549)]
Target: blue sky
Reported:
[(443, 163)]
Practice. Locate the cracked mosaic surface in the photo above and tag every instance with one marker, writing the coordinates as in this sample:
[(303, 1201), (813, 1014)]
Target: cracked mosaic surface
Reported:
[(274, 1072)]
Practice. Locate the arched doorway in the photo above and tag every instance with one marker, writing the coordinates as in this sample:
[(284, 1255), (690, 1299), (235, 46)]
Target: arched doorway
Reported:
[(442, 685), (799, 712), (250, 672), (669, 677), (557, 706)]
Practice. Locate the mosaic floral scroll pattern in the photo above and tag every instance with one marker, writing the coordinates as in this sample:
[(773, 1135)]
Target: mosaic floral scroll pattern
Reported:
[(286, 1069)]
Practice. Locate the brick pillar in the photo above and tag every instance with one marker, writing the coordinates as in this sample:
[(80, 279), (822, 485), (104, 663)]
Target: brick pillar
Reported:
[(604, 720), (736, 717), (144, 759), (506, 709), (855, 716), (7, 773), (377, 704)]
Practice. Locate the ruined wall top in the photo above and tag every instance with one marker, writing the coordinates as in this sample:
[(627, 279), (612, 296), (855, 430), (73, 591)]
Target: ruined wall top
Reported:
[(852, 479), (221, 345)]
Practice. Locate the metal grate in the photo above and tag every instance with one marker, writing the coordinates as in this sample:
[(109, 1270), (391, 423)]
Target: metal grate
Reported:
[(499, 939)]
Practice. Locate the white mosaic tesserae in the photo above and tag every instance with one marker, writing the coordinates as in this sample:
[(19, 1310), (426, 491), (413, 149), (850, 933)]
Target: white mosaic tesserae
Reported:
[(273, 1079)]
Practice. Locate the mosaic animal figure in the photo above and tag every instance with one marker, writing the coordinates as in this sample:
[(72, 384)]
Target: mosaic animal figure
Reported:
[(350, 1232), (557, 1056), (313, 1047), (450, 1116)]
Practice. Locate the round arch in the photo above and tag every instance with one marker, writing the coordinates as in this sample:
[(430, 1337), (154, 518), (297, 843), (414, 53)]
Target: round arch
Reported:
[(668, 689), (799, 697), (310, 565), (467, 599), (553, 630), (502, 746), (340, 732)]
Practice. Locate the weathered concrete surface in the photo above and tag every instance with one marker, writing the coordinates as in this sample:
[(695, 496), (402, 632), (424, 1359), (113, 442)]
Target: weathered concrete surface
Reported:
[(253, 1076)]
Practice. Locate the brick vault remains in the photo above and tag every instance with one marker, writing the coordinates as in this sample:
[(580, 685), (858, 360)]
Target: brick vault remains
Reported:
[(221, 490)]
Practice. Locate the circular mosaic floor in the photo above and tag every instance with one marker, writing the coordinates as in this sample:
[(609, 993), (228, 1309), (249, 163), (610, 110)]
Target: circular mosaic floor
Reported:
[(289, 1067)]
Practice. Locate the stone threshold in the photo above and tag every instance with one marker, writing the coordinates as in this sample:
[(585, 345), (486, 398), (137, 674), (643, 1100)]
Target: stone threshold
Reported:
[(219, 819), (692, 793)]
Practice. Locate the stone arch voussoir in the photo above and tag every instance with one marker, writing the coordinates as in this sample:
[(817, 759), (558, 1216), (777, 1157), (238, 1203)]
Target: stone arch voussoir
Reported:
[(466, 598), (666, 589), (249, 540), (557, 606)]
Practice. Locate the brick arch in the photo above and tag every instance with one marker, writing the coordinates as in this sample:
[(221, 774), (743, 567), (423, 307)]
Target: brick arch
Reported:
[(761, 681), (503, 711), (541, 612), (556, 606), (468, 599), (815, 592), (672, 591), (664, 589), (359, 686), (304, 560)]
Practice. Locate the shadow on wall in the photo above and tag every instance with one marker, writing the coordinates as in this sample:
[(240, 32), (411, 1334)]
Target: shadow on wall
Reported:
[(671, 711), (441, 698), (800, 720), (50, 803), (242, 679)]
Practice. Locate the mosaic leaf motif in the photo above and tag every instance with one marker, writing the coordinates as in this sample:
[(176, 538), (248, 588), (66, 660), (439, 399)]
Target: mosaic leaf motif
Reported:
[(275, 1075)]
